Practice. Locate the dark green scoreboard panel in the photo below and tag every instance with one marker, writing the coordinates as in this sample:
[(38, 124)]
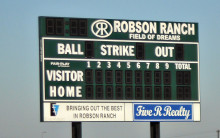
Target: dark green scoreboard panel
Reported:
[(118, 62), (103, 72)]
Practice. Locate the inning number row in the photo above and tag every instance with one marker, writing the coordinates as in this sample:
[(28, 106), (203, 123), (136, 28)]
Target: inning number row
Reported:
[(137, 65)]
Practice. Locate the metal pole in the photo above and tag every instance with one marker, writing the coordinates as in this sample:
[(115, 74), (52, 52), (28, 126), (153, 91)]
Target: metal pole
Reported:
[(76, 130), (218, 133), (155, 129)]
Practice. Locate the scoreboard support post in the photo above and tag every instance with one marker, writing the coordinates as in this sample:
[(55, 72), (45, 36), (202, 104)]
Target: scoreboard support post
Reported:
[(76, 129), (155, 129)]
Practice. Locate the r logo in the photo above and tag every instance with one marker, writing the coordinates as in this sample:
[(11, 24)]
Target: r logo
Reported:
[(101, 28)]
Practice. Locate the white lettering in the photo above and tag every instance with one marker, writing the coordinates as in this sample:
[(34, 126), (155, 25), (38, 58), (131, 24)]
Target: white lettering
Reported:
[(142, 112), (61, 91), (53, 91), (145, 27), (177, 28), (124, 26), (183, 66), (191, 29), (158, 51), (78, 91), (69, 49), (60, 48), (64, 75), (164, 51), (117, 50), (183, 29), (103, 51), (138, 25), (158, 110), (135, 27), (163, 28), (117, 26), (131, 26), (68, 91)]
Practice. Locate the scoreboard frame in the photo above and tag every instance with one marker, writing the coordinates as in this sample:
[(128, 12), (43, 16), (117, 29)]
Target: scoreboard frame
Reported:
[(113, 110)]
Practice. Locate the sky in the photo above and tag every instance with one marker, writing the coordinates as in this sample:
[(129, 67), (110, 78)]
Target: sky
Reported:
[(19, 65)]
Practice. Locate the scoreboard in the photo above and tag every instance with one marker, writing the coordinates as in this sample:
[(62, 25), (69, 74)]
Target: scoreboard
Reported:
[(118, 70)]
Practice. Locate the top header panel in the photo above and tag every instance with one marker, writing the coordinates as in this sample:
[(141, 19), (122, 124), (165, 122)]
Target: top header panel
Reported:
[(118, 29)]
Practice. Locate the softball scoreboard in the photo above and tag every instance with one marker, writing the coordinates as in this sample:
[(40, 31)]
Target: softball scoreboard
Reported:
[(118, 70)]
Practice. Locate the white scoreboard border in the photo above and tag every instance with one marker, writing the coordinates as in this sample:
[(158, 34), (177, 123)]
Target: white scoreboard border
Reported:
[(113, 40)]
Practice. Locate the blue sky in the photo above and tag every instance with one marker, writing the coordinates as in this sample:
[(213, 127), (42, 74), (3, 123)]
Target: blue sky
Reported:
[(19, 58)]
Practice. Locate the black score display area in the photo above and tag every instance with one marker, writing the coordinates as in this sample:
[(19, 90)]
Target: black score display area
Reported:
[(136, 85)]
